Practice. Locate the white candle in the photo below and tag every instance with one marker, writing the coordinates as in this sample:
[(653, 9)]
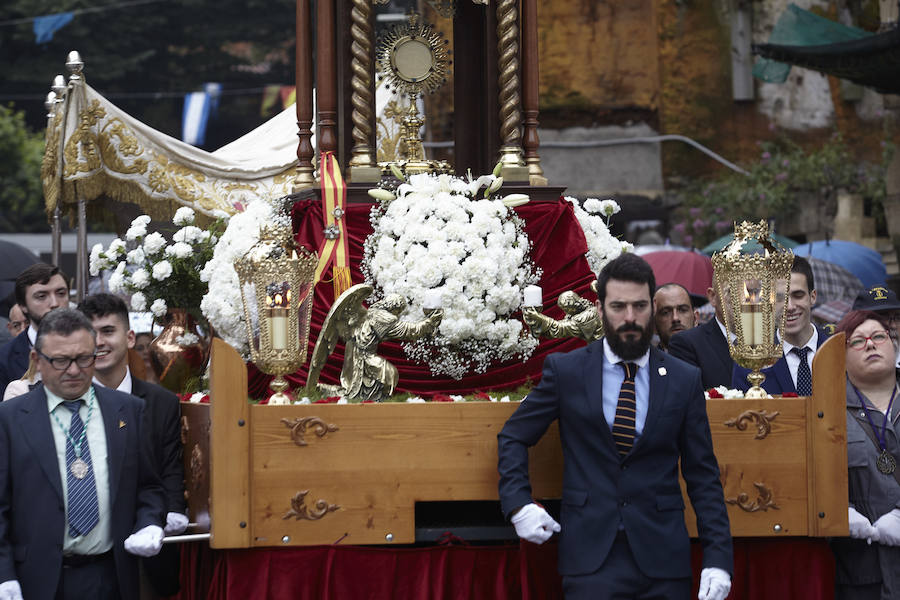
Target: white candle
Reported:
[(752, 324), (432, 299), (278, 326), (533, 296)]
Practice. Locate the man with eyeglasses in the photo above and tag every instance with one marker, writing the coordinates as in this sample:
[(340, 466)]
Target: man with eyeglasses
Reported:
[(162, 426), (882, 300), (39, 289), (78, 495), (800, 340)]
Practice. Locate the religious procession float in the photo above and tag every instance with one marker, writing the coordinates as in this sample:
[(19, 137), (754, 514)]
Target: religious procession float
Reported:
[(377, 318)]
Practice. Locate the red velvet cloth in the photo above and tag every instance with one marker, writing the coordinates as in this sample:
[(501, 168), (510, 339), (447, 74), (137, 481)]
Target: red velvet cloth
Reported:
[(558, 248), (774, 569)]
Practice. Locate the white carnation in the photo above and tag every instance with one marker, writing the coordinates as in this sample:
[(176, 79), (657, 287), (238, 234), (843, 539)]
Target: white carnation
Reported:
[(116, 247), (97, 263), (162, 270), (154, 243), (135, 256), (188, 235), (136, 231), (609, 207), (183, 216), (140, 279), (138, 302), (179, 250), (159, 308)]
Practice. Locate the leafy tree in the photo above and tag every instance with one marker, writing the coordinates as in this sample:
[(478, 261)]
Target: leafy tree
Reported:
[(21, 197)]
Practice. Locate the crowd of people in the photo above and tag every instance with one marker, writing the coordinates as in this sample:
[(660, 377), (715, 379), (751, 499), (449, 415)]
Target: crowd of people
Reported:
[(91, 474), (631, 413)]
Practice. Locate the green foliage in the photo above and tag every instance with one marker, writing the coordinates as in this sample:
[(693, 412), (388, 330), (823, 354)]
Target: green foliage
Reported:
[(21, 197), (784, 173)]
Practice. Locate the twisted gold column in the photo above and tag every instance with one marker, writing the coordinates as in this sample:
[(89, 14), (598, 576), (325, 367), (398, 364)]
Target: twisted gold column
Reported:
[(511, 154), (362, 161)]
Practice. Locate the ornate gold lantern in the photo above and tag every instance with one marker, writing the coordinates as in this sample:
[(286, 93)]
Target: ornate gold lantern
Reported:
[(276, 279), (753, 292)]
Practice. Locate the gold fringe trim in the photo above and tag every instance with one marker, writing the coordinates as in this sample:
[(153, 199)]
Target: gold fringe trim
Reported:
[(342, 280)]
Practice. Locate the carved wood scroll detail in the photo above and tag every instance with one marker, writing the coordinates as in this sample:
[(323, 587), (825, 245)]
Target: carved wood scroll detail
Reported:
[(762, 419), (762, 503), (300, 511), (299, 426)]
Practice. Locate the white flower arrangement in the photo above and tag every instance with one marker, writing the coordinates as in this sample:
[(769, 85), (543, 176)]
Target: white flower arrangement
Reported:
[(146, 266), (602, 245), (222, 305), (434, 234)]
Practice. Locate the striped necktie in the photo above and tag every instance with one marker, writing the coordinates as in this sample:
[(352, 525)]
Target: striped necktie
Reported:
[(626, 411), (84, 512)]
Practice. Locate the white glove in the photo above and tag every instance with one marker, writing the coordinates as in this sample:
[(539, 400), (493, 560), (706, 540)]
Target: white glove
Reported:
[(888, 528), (10, 590), (534, 524), (146, 542), (176, 523), (860, 527), (714, 584)]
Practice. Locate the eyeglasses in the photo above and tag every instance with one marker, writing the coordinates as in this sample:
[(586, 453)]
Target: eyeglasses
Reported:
[(62, 363), (859, 342)]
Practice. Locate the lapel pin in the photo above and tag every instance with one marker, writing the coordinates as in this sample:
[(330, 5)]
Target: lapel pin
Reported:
[(121, 424), (662, 371)]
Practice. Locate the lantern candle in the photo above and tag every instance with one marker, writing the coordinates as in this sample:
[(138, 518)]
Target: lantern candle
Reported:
[(533, 296), (278, 322), (752, 317)]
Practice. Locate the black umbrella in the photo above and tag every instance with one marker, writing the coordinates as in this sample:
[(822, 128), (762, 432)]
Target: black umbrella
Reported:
[(14, 259)]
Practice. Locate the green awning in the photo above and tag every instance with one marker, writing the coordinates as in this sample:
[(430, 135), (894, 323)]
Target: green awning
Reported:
[(807, 40)]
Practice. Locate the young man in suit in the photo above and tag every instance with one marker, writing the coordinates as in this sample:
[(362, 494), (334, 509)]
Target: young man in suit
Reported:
[(706, 346), (78, 495), (628, 416), (39, 289), (800, 340), (162, 426)]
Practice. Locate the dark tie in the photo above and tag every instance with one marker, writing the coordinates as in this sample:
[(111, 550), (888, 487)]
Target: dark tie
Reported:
[(804, 375), (84, 514), (626, 411)]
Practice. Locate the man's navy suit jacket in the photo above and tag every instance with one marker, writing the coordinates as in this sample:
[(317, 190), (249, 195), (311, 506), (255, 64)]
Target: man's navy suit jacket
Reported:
[(778, 377), (602, 490), (705, 347), (162, 426), (32, 513), (14, 359)]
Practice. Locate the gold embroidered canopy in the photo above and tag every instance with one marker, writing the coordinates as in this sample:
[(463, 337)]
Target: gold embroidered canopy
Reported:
[(105, 151)]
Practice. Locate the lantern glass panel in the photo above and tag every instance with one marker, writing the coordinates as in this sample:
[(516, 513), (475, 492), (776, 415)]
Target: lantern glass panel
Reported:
[(248, 291)]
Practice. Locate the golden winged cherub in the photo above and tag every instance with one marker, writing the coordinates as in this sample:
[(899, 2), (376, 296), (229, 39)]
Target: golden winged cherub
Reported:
[(581, 320), (365, 376)]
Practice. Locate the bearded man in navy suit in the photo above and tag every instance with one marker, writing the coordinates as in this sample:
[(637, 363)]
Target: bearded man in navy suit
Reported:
[(78, 493), (800, 340), (628, 416)]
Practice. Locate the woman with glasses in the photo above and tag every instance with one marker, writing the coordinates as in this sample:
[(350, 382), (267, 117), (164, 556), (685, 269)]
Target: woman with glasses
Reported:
[(868, 562)]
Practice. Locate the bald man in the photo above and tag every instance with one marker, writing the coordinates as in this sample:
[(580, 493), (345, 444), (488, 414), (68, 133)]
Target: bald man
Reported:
[(674, 312)]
